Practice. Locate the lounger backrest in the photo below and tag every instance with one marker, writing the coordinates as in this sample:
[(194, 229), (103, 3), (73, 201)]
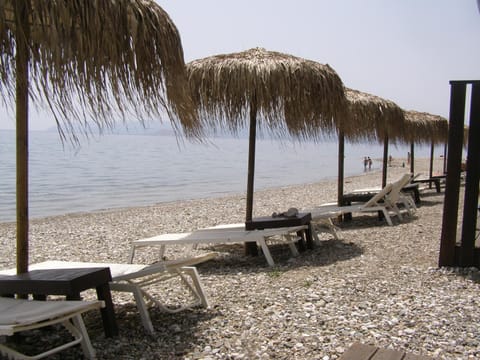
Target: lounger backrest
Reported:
[(379, 196), (18, 312), (404, 180), (136, 271), (397, 187)]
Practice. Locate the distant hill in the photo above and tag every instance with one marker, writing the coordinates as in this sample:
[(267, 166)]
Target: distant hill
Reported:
[(157, 129)]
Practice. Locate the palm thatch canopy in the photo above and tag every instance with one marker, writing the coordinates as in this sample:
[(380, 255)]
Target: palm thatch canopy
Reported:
[(425, 128), (287, 95), (371, 118), (89, 60), (96, 59), (292, 96), (368, 118)]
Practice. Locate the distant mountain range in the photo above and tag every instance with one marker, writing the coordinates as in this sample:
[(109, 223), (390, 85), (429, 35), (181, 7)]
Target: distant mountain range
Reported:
[(156, 129)]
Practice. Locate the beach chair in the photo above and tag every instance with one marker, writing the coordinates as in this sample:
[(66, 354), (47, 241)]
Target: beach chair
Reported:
[(375, 204), (136, 278), (396, 196), (224, 234), (17, 315)]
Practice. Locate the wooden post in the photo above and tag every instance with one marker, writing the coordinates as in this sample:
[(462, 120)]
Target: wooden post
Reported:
[(341, 167), (452, 185), (470, 205), (385, 161), (412, 158), (251, 247), (445, 146), (21, 61), (430, 173)]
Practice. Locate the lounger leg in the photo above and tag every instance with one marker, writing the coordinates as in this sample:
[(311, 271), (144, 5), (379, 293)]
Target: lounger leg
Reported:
[(142, 309), (397, 211), (387, 217), (161, 253), (140, 302), (291, 243), (316, 239), (132, 254), (193, 273), (332, 228), (408, 206), (86, 344), (326, 225), (266, 251)]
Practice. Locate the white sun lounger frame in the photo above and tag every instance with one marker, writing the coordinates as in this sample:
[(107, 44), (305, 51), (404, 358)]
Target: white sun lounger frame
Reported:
[(18, 315), (223, 234), (135, 278)]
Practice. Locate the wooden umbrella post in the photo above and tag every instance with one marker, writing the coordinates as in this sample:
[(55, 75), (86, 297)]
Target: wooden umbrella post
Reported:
[(341, 170), (251, 247), (22, 26), (341, 167), (412, 158), (432, 149), (385, 161)]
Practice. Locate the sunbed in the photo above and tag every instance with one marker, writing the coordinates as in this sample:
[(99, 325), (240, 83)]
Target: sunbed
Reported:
[(135, 278), (399, 195), (17, 315), (375, 204), (234, 233), (396, 196)]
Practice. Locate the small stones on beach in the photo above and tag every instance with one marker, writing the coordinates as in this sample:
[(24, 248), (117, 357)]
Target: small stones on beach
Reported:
[(377, 284)]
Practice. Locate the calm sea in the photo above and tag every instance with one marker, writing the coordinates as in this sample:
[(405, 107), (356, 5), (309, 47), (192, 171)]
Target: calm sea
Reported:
[(113, 171)]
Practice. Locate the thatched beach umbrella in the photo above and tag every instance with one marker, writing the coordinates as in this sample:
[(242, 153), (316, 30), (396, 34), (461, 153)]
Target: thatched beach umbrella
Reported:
[(425, 128), (90, 61), (284, 94), (368, 118)]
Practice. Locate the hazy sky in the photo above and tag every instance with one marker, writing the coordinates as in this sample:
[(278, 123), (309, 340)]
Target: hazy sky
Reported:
[(402, 50)]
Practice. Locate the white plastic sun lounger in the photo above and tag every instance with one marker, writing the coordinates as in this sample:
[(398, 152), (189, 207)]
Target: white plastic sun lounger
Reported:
[(396, 196), (222, 234), (135, 278), (18, 315), (375, 204)]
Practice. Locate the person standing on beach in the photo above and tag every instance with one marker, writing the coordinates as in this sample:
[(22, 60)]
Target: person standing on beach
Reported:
[(365, 163), (369, 163)]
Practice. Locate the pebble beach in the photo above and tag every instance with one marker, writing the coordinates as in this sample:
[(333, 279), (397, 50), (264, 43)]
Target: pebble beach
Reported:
[(377, 284)]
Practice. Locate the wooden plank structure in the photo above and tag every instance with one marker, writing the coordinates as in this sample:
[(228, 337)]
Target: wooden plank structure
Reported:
[(368, 352), (425, 128), (466, 254)]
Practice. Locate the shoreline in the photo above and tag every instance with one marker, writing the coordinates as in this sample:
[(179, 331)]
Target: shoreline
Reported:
[(377, 284), (185, 215), (329, 179)]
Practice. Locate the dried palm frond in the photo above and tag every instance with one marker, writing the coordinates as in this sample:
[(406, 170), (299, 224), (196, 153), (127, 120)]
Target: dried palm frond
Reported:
[(94, 60), (371, 118), (290, 95), (425, 128)]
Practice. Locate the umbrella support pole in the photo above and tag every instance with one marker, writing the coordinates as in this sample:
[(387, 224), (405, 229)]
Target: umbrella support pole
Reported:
[(21, 19), (412, 158), (251, 247), (385, 162)]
